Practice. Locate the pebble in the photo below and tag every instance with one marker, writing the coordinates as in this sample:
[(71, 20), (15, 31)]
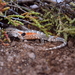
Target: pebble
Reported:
[(52, 52), (1, 50), (70, 44), (17, 61), (31, 55), (61, 74), (13, 43), (28, 46), (34, 6), (1, 63), (23, 71), (1, 68), (10, 58), (54, 1)]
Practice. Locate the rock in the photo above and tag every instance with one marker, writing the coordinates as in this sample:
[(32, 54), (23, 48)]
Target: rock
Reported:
[(31, 55), (54, 1), (34, 6), (1, 63), (10, 58), (13, 43), (70, 44)]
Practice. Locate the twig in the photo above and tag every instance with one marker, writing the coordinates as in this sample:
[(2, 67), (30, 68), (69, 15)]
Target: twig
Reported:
[(16, 6), (21, 20)]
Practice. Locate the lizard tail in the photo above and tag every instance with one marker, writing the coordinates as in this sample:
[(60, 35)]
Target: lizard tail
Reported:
[(52, 38)]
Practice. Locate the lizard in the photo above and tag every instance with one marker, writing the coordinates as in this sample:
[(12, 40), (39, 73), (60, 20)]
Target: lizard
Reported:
[(33, 34)]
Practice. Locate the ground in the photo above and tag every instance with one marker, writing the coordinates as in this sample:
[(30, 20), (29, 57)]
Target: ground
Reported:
[(30, 57), (26, 58)]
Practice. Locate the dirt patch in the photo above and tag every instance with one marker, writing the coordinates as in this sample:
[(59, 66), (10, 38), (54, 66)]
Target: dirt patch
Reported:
[(31, 58), (21, 58)]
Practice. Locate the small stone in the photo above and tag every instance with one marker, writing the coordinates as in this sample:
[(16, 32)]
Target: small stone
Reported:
[(31, 55), (17, 61), (54, 1), (23, 71), (1, 50), (10, 58), (1, 63), (13, 43), (61, 73), (1, 68), (70, 44), (17, 70), (34, 6), (52, 52)]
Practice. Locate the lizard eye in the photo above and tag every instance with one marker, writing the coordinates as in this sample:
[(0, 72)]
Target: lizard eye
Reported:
[(23, 34)]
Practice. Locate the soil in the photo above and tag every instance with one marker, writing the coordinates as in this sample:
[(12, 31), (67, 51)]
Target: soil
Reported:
[(31, 58), (28, 58)]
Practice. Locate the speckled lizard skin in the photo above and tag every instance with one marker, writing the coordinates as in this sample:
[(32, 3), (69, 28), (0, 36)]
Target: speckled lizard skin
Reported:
[(33, 34)]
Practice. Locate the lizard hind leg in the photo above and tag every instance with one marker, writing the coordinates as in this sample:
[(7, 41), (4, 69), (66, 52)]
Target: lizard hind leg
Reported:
[(41, 42)]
